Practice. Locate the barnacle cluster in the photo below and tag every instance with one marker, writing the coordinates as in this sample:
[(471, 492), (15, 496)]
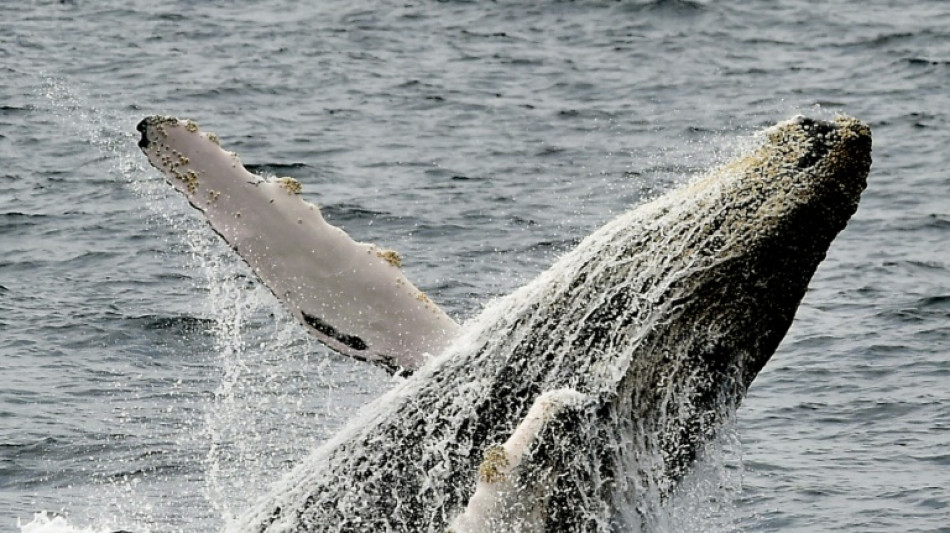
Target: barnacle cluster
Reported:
[(390, 256), (191, 180), (494, 465), (849, 130), (291, 185)]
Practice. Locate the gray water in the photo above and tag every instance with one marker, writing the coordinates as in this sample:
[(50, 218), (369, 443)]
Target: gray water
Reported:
[(148, 382)]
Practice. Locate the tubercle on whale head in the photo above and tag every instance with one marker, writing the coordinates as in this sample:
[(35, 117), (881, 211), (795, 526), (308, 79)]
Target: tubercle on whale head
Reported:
[(809, 204), (836, 151), (798, 189)]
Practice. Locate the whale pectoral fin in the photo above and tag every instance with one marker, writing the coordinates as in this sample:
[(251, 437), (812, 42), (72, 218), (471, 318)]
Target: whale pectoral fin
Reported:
[(511, 492), (351, 296)]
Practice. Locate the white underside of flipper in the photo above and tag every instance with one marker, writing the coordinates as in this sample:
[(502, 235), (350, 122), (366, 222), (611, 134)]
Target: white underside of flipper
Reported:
[(502, 502), (352, 296)]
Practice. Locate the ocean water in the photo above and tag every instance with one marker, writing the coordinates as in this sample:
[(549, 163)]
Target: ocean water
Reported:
[(148, 383)]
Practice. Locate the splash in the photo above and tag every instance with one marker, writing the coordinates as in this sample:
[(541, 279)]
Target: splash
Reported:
[(273, 392), (47, 523), (266, 405)]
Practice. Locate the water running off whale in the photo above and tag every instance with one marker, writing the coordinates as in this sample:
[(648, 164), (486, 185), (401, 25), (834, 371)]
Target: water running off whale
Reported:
[(561, 406)]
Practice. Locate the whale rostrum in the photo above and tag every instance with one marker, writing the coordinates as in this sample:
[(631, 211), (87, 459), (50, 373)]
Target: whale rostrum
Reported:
[(572, 403)]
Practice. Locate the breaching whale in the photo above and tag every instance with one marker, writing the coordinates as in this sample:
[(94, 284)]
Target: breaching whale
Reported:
[(569, 404)]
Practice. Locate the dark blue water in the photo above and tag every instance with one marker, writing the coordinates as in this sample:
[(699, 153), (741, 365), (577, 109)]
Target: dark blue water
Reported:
[(148, 382)]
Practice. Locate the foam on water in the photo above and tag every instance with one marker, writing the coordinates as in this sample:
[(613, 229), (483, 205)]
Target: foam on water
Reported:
[(266, 408)]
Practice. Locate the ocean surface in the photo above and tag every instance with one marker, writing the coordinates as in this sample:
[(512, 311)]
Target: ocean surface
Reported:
[(149, 383)]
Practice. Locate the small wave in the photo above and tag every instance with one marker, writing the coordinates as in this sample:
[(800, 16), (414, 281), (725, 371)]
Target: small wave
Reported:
[(671, 7), (17, 219), (349, 211), (462, 177), (926, 61), (941, 301), (14, 110), (174, 17), (883, 40), (491, 35), (183, 323)]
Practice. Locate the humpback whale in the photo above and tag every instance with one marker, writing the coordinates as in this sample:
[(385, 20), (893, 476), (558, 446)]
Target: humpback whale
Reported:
[(569, 404)]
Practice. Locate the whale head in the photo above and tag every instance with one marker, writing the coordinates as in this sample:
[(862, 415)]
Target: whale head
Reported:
[(723, 270), (667, 313), (661, 319), (761, 227)]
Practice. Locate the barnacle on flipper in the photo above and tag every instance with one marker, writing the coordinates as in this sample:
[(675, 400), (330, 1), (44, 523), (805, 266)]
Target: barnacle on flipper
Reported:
[(293, 186), (163, 119), (213, 137), (191, 126), (390, 256), (191, 180), (492, 467)]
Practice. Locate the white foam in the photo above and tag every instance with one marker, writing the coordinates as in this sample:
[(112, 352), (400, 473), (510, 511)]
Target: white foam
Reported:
[(46, 523)]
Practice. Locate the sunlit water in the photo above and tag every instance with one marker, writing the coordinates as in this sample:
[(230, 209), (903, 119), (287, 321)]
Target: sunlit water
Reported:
[(147, 383)]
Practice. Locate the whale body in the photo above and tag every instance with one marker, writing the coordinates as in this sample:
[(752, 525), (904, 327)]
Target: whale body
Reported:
[(562, 406)]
